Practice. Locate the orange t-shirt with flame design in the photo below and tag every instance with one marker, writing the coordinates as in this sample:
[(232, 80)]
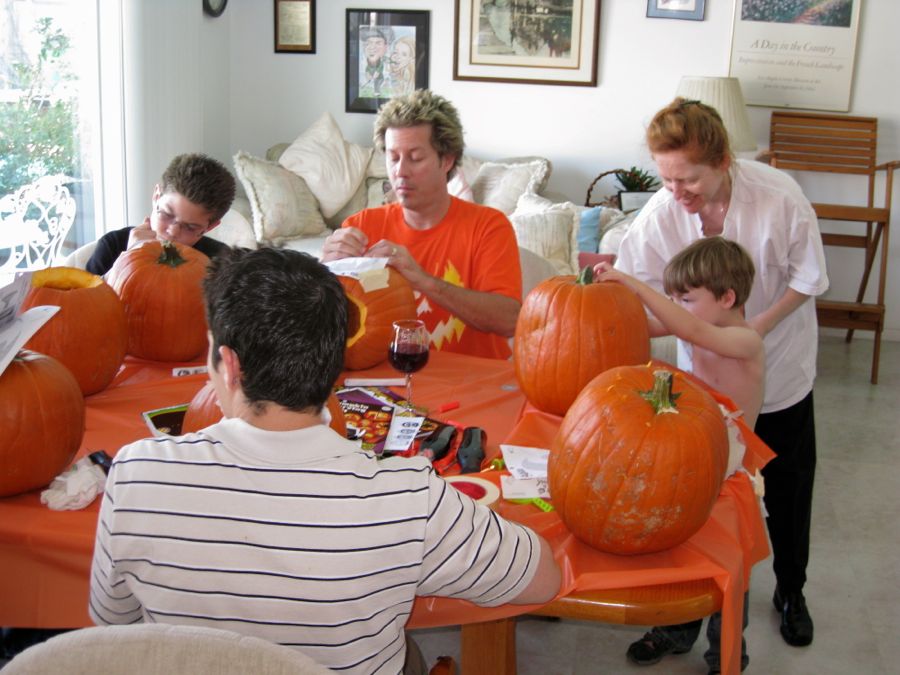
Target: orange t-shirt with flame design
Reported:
[(473, 247)]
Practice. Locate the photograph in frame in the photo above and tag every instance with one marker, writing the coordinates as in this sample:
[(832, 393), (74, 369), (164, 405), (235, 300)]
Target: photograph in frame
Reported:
[(387, 56), (295, 26), (795, 55), (527, 41), (676, 9)]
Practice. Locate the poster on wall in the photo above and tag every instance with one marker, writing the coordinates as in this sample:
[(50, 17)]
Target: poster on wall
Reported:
[(796, 54)]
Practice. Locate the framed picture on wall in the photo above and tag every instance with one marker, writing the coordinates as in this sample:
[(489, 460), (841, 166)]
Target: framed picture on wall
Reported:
[(676, 9), (795, 55), (387, 56), (528, 41), (295, 26)]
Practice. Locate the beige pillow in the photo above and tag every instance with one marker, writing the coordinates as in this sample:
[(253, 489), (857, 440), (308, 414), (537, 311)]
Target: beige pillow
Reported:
[(548, 229), (500, 184), (282, 205), (332, 168)]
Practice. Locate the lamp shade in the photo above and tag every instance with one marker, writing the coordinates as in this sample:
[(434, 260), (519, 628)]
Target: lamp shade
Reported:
[(725, 95)]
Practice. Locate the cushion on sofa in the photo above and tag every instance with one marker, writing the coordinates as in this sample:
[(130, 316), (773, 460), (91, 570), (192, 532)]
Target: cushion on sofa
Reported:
[(332, 167), (500, 184), (548, 229), (282, 205)]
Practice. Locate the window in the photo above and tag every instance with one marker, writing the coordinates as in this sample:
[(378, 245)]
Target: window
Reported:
[(50, 105)]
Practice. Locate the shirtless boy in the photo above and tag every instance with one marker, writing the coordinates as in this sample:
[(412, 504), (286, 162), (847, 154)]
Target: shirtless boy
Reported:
[(709, 281)]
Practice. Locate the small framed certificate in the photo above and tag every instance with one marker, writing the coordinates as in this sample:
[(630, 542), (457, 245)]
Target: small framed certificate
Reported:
[(295, 26)]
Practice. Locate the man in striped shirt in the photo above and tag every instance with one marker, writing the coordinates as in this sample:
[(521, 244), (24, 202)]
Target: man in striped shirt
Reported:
[(271, 524)]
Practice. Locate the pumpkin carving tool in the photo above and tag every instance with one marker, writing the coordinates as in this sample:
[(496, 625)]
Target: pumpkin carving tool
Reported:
[(470, 453)]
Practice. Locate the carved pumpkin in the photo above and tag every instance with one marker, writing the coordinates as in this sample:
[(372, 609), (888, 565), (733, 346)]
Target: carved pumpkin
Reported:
[(41, 422), (160, 285), (88, 334), (569, 331), (639, 460), (370, 318), (204, 410)]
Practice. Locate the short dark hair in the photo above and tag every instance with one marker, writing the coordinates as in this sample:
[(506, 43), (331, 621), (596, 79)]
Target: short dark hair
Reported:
[(285, 316), (691, 126), (713, 263), (420, 107), (201, 180)]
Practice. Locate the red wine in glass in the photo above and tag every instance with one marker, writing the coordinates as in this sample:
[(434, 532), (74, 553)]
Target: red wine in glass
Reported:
[(408, 351), (408, 358)]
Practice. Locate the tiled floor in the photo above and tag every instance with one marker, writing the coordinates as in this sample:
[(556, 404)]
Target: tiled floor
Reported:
[(853, 589), (854, 576)]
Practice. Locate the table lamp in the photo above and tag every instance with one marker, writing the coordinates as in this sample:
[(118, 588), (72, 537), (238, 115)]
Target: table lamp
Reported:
[(725, 95)]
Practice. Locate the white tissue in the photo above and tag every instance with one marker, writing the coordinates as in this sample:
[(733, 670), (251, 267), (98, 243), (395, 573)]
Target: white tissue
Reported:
[(76, 487)]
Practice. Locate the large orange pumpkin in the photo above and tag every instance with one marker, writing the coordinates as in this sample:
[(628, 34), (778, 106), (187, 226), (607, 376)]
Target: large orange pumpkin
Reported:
[(41, 422), (88, 334), (569, 331), (371, 315), (639, 460), (204, 410), (160, 285)]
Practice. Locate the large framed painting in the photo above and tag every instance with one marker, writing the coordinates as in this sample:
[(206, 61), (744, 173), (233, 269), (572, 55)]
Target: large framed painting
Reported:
[(527, 41), (387, 56), (795, 54)]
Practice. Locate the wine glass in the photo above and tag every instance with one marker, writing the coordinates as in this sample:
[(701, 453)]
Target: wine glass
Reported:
[(408, 352)]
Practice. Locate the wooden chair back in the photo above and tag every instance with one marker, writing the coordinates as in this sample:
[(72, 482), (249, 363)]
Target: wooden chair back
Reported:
[(843, 144)]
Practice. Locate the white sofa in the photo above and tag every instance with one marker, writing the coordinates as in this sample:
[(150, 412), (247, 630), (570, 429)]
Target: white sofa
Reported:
[(301, 191)]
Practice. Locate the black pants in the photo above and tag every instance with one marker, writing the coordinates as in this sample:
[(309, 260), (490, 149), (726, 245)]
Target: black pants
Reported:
[(791, 434)]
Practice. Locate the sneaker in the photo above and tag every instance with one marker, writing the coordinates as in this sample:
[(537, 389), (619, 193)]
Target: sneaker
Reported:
[(796, 623), (652, 647)]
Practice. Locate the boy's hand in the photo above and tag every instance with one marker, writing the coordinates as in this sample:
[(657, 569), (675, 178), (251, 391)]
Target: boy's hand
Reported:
[(141, 234), (603, 271)]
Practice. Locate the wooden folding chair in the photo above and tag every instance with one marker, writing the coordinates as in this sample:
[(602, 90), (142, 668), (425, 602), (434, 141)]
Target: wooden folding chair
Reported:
[(841, 144)]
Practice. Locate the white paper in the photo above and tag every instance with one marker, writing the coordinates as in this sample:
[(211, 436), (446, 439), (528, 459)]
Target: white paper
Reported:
[(524, 462), (528, 488), (402, 431), (371, 273)]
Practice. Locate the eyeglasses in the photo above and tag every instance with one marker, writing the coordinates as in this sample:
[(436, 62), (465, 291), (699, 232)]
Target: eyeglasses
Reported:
[(168, 219)]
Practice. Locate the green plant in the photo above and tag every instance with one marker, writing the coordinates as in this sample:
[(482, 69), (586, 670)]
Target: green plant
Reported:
[(38, 131), (636, 180)]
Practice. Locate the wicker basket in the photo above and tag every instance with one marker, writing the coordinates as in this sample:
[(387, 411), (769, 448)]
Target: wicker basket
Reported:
[(611, 201)]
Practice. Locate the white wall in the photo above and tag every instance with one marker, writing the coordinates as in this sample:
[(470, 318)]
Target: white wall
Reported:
[(269, 97)]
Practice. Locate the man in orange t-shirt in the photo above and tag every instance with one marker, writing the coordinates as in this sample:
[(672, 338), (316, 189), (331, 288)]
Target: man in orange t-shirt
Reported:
[(460, 258)]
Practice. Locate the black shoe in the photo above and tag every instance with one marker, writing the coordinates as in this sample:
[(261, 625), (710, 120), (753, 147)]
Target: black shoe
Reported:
[(652, 647), (796, 623)]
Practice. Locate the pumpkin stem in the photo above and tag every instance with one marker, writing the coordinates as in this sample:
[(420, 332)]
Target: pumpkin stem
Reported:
[(586, 276), (661, 397), (170, 255)]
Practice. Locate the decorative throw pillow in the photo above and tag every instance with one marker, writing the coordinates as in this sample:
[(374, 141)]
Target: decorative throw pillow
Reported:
[(500, 184), (332, 167), (548, 229), (282, 205), (594, 223)]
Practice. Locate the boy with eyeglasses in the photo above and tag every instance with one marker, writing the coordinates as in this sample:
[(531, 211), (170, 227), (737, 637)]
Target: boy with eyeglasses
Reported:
[(194, 193)]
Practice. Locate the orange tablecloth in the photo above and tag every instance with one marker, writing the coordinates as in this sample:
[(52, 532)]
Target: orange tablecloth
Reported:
[(45, 555), (725, 549)]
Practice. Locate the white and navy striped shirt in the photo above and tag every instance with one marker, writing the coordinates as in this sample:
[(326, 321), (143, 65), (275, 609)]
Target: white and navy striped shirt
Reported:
[(297, 537)]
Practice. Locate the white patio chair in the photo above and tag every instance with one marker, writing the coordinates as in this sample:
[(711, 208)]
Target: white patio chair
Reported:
[(34, 222)]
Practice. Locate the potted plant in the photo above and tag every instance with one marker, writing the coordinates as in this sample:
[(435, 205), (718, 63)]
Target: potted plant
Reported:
[(636, 187)]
